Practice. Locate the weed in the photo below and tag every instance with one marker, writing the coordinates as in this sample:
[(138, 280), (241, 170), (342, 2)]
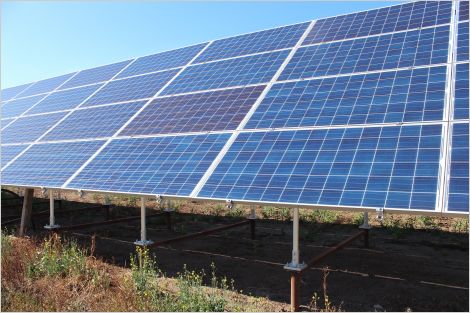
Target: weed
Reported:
[(428, 222), (284, 214), (358, 218), (458, 225), (236, 212), (268, 212), (324, 216), (327, 305), (132, 201)]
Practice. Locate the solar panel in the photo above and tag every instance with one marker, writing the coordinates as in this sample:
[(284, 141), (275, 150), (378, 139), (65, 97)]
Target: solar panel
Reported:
[(49, 164), (206, 111), (463, 10), (17, 107), (10, 152), (163, 165), (392, 167), (64, 99), (95, 122), (384, 20), (46, 85), (95, 75), (267, 40), (248, 70), (458, 187), (461, 93), (139, 87), (462, 41), (10, 93), (162, 61), (405, 49), (386, 97), (30, 128)]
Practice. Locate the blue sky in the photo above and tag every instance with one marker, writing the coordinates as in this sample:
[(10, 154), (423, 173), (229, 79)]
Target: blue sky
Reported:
[(45, 39)]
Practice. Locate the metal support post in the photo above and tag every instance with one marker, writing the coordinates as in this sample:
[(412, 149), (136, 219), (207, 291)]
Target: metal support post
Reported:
[(252, 219), (52, 224), (168, 210), (365, 225), (143, 226), (27, 211), (107, 207), (294, 291)]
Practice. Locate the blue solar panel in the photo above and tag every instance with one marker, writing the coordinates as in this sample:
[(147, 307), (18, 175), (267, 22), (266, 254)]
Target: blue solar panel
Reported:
[(165, 165), (206, 111), (401, 96), (234, 72), (459, 178), (94, 122), (95, 75), (9, 93), (30, 128), (17, 107), (49, 164), (461, 98), (140, 87), (392, 167), (46, 85), (373, 22), (462, 41), (64, 99), (162, 61), (413, 48), (10, 152), (267, 40), (463, 10)]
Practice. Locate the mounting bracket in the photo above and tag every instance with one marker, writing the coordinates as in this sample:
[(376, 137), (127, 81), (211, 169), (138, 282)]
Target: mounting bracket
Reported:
[(380, 214), (229, 204)]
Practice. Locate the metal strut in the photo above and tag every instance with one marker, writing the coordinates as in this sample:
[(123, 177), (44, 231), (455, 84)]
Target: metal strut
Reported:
[(143, 225), (52, 224)]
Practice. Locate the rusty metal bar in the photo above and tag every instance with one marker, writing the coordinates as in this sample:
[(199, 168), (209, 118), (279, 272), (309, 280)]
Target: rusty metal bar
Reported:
[(108, 222), (294, 291), (331, 250), (199, 234)]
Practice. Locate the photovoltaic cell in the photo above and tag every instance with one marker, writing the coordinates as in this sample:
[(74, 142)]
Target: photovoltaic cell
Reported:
[(248, 70), (206, 111), (267, 40), (95, 75), (170, 165), (463, 10), (28, 129), (397, 96), (94, 122), (140, 87), (64, 99), (17, 107), (49, 164), (390, 19), (162, 61), (461, 96), (459, 178), (406, 49), (46, 85), (462, 41), (10, 152), (9, 93), (391, 167)]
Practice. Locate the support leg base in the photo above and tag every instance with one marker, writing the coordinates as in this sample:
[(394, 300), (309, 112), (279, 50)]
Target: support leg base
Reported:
[(50, 227), (143, 243), (295, 267)]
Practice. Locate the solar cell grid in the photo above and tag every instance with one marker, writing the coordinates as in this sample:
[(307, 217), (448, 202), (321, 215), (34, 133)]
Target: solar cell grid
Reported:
[(247, 70), (386, 97), (463, 10), (405, 49), (170, 165), (17, 107), (459, 168), (391, 167), (462, 41), (95, 75), (267, 40), (30, 128), (139, 87), (94, 122), (461, 93), (10, 152), (46, 85), (207, 111), (373, 22), (10, 93), (162, 61), (49, 164), (64, 99)]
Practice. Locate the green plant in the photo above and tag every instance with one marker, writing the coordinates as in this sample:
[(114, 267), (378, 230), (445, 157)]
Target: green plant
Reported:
[(143, 270), (6, 244), (284, 214), (428, 222), (324, 216), (268, 212), (236, 212), (358, 218), (460, 225), (326, 306), (132, 201)]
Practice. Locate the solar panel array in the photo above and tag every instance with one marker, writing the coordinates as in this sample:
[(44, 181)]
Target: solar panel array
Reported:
[(360, 111)]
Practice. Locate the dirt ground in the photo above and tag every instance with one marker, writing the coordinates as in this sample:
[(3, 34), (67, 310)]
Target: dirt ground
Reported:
[(414, 270)]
